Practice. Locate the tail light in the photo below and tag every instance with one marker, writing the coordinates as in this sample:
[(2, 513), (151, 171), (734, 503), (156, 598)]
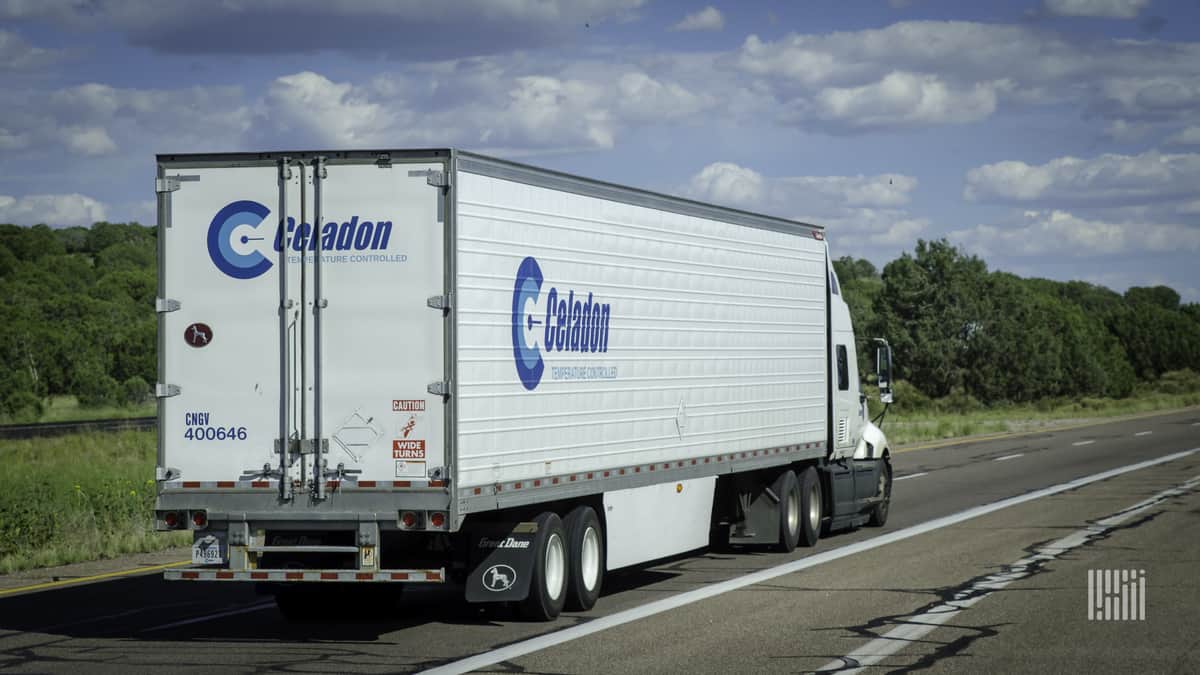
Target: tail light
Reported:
[(409, 520), (200, 519), (171, 519), (437, 520)]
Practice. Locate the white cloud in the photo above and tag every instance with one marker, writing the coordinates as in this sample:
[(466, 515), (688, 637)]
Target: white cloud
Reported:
[(90, 141), (1188, 136), (861, 212), (1058, 232), (17, 54), (61, 210), (330, 113), (904, 99), (709, 18), (1110, 178), (1112, 9)]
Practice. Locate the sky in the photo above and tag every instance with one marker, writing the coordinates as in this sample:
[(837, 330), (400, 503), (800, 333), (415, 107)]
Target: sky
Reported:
[(1053, 138)]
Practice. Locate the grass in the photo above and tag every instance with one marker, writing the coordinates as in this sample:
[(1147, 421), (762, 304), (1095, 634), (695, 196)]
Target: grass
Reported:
[(76, 498), (67, 409), (956, 417)]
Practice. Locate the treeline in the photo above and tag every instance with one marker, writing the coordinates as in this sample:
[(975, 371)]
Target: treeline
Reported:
[(76, 316), (959, 330)]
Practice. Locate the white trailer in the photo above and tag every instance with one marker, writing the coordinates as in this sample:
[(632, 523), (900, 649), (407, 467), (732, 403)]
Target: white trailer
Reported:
[(431, 366)]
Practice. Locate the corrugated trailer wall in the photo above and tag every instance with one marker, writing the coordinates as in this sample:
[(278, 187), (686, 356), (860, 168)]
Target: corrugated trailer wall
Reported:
[(699, 337)]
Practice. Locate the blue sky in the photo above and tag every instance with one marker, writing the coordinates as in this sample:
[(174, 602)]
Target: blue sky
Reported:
[(1055, 138)]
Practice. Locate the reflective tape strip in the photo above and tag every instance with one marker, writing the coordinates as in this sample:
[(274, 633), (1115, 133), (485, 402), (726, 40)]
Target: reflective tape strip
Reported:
[(345, 484), (414, 576), (525, 485)]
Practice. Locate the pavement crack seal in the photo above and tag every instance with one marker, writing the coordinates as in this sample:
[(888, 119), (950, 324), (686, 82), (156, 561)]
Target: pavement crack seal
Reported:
[(912, 628), (558, 637)]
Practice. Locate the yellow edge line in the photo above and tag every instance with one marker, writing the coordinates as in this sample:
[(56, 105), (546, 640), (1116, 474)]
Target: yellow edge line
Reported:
[(94, 577), (1016, 434)]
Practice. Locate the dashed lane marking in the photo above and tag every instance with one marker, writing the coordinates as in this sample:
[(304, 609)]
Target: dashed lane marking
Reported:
[(1079, 443), (912, 475), (1008, 457)]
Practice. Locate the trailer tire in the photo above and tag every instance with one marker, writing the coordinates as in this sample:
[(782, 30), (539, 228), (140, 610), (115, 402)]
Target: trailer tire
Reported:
[(810, 507), (879, 512), (585, 548), (548, 583), (787, 488)]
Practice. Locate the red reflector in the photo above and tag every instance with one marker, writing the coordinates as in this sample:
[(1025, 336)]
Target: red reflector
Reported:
[(572, 479), (589, 476), (537, 483), (516, 486), (191, 483), (190, 575), (364, 576), (401, 483), (478, 491), (366, 483), (433, 576), (437, 518), (260, 484), (607, 474), (293, 576), (226, 484), (437, 483), (333, 484), (400, 576), (329, 575), (259, 575)]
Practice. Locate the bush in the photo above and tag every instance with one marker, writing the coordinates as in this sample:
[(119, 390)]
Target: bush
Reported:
[(134, 391)]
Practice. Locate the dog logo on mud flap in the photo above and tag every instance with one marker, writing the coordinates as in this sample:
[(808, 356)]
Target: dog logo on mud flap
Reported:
[(499, 578)]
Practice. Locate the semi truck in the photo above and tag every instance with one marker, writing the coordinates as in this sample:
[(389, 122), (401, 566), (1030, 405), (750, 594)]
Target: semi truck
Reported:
[(379, 369)]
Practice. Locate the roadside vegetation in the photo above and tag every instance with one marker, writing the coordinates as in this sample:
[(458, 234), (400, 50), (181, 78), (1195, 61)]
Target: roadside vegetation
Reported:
[(76, 498)]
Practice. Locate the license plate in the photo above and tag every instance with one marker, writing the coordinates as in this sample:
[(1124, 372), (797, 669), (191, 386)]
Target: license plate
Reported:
[(207, 552)]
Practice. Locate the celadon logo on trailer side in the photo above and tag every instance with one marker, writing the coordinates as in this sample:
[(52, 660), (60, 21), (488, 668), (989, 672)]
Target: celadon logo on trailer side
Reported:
[(235, 230), (569, 323)]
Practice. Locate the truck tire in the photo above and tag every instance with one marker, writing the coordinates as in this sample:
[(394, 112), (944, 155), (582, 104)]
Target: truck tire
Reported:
[(548, 583), (811, 507), (879, 512), (585, 564), (787, 488)]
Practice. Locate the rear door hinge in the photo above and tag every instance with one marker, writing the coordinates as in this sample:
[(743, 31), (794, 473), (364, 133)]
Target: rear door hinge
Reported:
[(441, 302), (171, 183), (437, 179), (441, 388), (162, 305), (166, 390), (383, 160)]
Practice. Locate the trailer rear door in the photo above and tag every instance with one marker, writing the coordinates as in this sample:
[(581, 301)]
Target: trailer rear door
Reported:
[(260, 341)]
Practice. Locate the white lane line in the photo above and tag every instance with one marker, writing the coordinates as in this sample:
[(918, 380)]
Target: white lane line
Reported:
[(1143, 433), (914, 627), (912, 475), (519, 649), (209, 617), (1079, 443), (1007, 457)]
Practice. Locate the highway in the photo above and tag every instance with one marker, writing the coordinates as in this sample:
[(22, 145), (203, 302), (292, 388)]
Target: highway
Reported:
[(983, 567)]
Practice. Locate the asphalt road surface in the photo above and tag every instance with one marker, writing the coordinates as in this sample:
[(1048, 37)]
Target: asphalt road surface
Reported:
[(980, 569)]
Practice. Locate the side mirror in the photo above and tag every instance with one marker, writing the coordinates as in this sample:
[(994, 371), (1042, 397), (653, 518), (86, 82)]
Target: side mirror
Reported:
[(883, 368)]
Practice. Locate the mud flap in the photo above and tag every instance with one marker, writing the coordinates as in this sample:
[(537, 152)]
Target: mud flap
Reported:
[(502, 560)]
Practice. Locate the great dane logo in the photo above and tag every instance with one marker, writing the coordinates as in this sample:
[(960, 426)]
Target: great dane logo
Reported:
[(198, 335), (499, 578)]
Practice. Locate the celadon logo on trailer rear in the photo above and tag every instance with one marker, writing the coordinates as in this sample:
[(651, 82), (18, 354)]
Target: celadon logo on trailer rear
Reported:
[(570, 322), (234, 237)]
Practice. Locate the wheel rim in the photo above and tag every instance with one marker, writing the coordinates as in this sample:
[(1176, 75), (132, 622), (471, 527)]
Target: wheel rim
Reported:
[(793, 511), (814, 508), (589, 558), (555, 572)]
